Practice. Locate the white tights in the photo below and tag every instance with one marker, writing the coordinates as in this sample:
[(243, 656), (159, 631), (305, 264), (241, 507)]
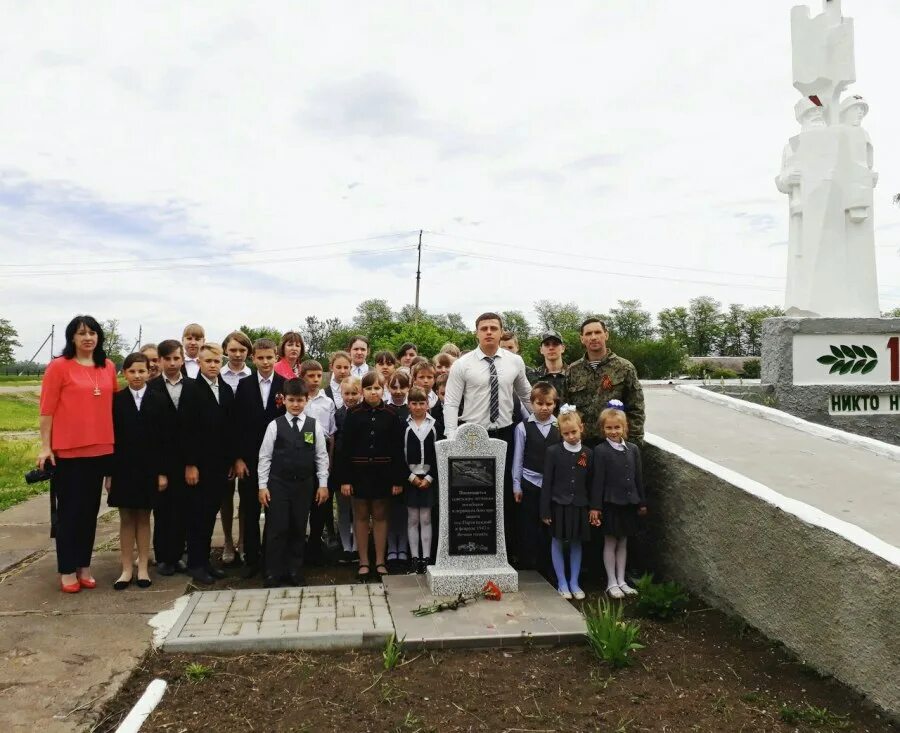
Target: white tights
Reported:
[(419, 521), (615, 551)]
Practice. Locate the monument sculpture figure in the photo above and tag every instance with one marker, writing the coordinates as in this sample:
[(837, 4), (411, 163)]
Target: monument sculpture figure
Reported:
[(827, 173)]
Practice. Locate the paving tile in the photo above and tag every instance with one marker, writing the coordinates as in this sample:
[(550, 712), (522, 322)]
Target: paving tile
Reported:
[(230, 629), (309, 624), (249, 629), (325, 624), (353, 624)]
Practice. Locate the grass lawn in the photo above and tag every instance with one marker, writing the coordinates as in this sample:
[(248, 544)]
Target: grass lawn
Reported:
[(17, 457), (26, 380), (18, 412)]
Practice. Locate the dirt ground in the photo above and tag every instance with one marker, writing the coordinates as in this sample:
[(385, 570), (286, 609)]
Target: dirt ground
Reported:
[(702, 672)]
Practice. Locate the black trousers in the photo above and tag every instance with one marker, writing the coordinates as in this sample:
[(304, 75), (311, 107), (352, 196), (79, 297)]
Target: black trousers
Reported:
[(510, 508), (318, 520), (248, 490), (204, 502), (286, 518), (170, 519), (78, 483), (534, 539)]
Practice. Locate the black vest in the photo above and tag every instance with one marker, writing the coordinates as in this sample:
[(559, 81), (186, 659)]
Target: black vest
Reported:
[(536, 445), (294, 455)]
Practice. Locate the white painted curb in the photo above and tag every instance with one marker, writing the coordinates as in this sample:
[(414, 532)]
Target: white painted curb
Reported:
[(801, 510), (143, 707), (879, 447)]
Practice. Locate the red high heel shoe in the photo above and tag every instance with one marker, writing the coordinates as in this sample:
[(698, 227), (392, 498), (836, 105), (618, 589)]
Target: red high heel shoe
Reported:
[(71, 587), (89, 583)]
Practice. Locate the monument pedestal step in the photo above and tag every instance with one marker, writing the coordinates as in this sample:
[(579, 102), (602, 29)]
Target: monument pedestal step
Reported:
[(449, 581)]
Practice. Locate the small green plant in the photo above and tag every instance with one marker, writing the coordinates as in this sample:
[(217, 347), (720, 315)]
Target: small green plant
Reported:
[(811, 715), (393, 652), (611, 638), (410, 722), (660, 600), (197, 672)]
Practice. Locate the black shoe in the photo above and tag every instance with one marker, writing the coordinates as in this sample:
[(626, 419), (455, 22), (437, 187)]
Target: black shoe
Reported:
[(250, 571), (199, 575), (296, 579), (181, 567), (270, 581), (217, 573), (345, 558), (121, 584), (421, 566), (354, 556), (165, 568), (144, 582)]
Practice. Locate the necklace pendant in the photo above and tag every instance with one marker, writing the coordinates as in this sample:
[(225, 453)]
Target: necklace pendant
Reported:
[(96, 391)]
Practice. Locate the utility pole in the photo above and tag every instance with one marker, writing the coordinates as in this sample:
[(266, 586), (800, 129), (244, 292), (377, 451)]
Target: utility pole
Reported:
[(418, 275), (52, 332)]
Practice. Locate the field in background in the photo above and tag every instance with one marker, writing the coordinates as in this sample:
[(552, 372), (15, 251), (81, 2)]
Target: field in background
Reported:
[(18, 414)]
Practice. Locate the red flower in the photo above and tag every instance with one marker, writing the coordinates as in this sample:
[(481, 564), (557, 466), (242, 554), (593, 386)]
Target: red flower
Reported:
[(279, 400), (491, 591), (582, 459), (607, 382)]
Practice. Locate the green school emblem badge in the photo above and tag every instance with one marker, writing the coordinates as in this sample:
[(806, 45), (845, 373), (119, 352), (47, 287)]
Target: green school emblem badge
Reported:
[(309, 438)]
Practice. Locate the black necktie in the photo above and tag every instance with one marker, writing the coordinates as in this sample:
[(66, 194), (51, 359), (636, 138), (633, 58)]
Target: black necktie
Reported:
[(296, 426), (495, 389)]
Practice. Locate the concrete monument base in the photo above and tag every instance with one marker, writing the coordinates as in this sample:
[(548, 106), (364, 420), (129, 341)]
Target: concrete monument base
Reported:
[(840, 372), (451, 581)]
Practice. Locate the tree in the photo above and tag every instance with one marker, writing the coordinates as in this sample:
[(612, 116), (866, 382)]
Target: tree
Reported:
[(895, 313), (9, 338), (675, 323), (370, 314), (733, 328), (261, 332), (516, 322), (652, 358), (753, 321), (556, 316), (630, 321), (114, 341), (316, 334), (455, 322)]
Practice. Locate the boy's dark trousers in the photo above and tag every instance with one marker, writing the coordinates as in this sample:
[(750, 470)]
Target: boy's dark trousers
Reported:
[(318, 516), (204, 502), (534, 541), (248, 491), (170, 519), (286, 516)]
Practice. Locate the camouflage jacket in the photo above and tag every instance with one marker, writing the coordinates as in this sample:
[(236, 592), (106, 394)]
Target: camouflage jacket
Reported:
[(541, 375), (589, 390)]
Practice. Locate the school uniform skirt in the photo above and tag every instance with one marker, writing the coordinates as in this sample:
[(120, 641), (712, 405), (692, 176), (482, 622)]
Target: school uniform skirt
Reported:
[(570, 522), (420, 498), (619, 520), (371, 481), (132, 490)]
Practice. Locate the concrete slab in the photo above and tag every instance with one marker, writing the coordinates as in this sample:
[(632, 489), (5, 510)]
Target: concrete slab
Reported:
[(534, 615), (845, 481), (317, 617)]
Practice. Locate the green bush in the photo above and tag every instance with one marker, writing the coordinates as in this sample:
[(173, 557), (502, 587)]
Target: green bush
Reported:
[(652, 358), (708, 371), (660, 600), (752, 369), (609, 637)]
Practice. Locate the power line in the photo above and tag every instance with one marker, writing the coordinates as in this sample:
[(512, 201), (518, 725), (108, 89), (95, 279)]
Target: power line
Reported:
[(215, 265), (212, 254), (603, 259), (556, 266)]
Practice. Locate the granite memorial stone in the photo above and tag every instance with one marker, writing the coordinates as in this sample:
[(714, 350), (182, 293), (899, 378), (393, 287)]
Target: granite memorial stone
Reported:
[(472, 545)]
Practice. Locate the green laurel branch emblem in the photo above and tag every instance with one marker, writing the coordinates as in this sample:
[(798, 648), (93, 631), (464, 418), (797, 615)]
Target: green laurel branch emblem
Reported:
[(851, 359)]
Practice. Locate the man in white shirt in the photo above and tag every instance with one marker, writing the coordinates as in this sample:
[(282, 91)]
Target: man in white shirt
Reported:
[(483, 383)]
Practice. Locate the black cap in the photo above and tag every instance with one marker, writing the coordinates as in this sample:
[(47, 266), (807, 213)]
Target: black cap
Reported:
[(548, 335)]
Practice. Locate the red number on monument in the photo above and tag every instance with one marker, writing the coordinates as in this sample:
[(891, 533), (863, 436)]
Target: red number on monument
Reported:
[(894, 347)]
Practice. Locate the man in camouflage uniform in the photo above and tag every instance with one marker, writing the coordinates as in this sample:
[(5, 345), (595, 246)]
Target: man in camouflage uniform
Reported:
[(601, 376), (552, 370)]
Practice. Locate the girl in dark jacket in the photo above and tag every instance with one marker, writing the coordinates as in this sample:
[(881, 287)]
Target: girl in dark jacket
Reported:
[(371, 469)]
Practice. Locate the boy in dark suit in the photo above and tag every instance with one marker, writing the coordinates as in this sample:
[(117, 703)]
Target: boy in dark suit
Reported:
[(257, 402), (179, 433), (207, 479)]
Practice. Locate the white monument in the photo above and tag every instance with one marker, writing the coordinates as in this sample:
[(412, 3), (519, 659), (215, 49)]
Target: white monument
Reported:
[(472, 544), (828, 176)]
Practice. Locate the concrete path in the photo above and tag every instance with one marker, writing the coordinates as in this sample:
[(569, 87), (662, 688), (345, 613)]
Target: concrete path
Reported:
[(312, 617), (850, 483), (62, 656)]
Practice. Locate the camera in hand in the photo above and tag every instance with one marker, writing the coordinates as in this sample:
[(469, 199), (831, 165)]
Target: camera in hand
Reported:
[(36, 475)]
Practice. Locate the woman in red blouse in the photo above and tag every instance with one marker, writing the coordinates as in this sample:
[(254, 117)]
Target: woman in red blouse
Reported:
[(292, 350), (77, 437)]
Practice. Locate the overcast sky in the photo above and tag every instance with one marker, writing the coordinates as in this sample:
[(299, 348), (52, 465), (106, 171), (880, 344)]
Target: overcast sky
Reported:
[(256, 163)]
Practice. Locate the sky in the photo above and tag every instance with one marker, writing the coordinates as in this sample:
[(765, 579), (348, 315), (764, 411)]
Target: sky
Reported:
[(229, 163)]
